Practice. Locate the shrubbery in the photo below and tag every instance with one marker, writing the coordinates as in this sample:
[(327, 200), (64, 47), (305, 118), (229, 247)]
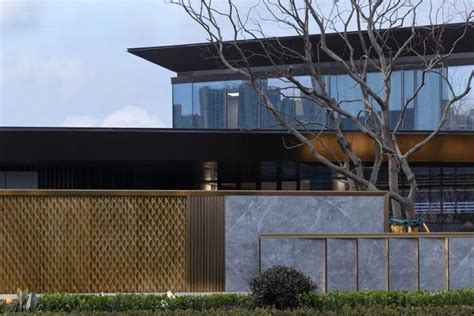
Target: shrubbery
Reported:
[(455, 302), (346, 310), (126, 302), (280, 286), (397, 299), (332, 301)]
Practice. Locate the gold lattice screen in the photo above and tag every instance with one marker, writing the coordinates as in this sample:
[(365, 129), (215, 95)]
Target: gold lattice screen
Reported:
[(80, 243)]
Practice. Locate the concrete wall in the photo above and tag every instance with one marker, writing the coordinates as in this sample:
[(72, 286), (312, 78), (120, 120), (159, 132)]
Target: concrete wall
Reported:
[(376, 263), (248, 216)]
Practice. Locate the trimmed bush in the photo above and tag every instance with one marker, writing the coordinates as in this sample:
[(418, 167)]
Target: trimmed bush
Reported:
[(337, 300), (136, 302), (359, 310), (280, 286)]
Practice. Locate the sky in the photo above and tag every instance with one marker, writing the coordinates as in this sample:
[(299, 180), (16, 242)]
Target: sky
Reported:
[(64, 63)]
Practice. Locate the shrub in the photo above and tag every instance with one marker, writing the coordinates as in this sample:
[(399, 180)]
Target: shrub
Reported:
[(457, 302), (127, 302), (337, 300), (280, 286)]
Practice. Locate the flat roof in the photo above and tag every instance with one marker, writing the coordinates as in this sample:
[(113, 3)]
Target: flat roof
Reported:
[(202, 56), (21, 145)]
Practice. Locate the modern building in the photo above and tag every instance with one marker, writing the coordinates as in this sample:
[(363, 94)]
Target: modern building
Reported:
[(223, 139)]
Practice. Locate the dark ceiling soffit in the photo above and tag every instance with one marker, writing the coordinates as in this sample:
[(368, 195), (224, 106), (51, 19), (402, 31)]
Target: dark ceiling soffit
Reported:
[(27, 145), (198, 57)]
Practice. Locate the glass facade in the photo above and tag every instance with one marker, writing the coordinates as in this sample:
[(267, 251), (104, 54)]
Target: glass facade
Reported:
[(233, 104)]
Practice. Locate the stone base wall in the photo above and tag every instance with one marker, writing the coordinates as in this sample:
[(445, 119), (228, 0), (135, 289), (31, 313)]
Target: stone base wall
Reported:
[(248, 216), (379, 262)]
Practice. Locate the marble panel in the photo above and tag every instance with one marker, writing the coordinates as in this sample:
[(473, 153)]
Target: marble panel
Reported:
[(432, 264), (310, 259), (237, 271), (305, 255), (372, 264), (341, 267), (461, 263), (277, 251), (247, 216), (403, 264)]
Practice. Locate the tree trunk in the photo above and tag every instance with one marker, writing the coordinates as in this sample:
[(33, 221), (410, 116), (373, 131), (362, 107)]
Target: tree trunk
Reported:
[(393, 186)]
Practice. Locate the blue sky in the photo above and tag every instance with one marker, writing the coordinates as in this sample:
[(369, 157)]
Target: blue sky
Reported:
[(64, 63)]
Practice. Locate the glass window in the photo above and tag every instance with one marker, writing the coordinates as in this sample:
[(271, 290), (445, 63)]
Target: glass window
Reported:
[(289, 170), (281, 95), (395, 101), (428, 100), (308, 113), (461, 114), (348, 93), (268, 170), (315, 177), (242, 105), (209, 104), (408, 90), (234, 104), (183, 105)]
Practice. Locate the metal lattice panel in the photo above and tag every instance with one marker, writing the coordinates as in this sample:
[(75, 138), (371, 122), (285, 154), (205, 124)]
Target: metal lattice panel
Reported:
[(92, 243)]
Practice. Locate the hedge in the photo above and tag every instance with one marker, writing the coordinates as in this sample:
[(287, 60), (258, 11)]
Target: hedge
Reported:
[(126, 302), (240, 304), (337, 300), (460, 310)]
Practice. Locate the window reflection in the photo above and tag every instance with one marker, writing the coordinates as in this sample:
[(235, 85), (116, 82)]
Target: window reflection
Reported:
[(235, 105), (308, 113), (344, 89), (182, 105), (461, 115), (209, 104)]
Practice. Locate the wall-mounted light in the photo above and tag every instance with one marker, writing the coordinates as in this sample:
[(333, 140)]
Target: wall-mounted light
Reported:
[(233, 94)]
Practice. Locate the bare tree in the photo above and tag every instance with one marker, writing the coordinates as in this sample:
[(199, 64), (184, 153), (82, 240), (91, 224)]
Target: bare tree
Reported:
[(369, 33)]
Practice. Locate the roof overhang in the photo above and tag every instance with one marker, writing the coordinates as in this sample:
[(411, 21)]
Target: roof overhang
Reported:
[(42, 145), (202, 56)]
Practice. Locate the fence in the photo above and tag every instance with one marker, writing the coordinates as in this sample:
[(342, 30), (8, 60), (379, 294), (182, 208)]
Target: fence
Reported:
[(381, 261), (111, 241), (117, 241)]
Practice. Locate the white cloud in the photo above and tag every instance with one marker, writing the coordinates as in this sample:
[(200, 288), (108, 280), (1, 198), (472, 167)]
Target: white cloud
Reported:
[(79, 121), (132, 116), (127, 116)]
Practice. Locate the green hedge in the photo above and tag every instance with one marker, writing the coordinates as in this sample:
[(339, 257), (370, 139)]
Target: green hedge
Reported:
[(126, 302), (356, 311), (337, 300), (238, 304)]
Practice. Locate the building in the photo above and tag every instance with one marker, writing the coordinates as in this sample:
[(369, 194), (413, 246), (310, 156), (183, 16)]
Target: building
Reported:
[(222, 139)]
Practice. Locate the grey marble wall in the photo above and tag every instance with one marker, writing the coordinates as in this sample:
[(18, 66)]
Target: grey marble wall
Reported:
[(461, 263), (403, 264), (305, 255), (372, 264), (432, 264), (362, 265), (341, 268), (247, 216)]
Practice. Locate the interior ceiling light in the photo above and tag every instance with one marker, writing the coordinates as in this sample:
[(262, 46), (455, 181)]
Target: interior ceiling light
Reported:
[(233, 94)]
